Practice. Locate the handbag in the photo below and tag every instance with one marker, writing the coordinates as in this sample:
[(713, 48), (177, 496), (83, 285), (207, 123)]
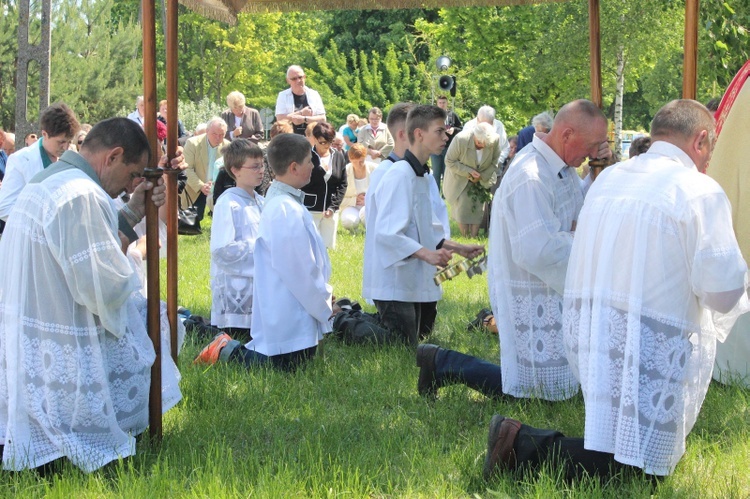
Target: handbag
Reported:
[(187, 223)]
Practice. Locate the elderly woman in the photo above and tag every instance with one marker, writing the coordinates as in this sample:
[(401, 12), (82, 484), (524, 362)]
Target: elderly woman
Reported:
[(349, 132), (471, 170), (376, 137), (242, 121), (358, 180), (324, 193)]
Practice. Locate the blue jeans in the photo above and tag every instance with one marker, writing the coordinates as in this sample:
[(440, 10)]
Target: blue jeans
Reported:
[(284, 362), (438, 166), (453, 367)]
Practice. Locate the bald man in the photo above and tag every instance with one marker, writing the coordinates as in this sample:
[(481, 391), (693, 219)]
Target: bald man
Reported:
[(534, 214), (655, 279)]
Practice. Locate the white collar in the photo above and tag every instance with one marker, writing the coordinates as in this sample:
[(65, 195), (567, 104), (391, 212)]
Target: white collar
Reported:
[(670, 150)]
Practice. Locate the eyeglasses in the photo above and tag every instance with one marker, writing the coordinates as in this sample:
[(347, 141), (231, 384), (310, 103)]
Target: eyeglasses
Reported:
[(295, 78), (254, 168), (80, 141), (323, 142)]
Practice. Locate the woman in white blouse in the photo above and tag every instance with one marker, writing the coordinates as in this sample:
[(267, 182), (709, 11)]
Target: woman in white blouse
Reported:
[(233, 234), (376, 137), (358, 180)]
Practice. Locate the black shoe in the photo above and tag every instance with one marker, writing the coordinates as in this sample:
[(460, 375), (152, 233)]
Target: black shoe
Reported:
[(427, 384), (479, 321), (500, 440)]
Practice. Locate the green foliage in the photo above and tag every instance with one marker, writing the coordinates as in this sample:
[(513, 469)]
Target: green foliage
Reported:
[(194, 113), (519, 59), (356, 83), (8, 50), (724, 44), (98, 69), (378, 31)]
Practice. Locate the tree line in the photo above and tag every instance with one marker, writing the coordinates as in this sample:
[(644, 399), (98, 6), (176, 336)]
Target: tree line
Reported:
[(519, 59)]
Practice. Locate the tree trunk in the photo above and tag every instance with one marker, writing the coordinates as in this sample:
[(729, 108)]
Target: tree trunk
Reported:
[(619, 90)]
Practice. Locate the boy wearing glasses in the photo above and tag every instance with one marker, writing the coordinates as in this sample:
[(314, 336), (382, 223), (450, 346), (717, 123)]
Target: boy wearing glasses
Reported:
[(235, 228), (299, 103), (291, 307)]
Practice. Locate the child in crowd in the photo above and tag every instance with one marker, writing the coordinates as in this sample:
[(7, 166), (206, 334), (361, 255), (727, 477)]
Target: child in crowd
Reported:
[(291, 307), (358, 172), (233, 234)]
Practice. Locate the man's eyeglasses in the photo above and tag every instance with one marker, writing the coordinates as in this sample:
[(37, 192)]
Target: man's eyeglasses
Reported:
[(295, 78), (80, 141)]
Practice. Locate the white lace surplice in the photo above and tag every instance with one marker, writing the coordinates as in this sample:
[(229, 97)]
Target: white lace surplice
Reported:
[(532, 216), (233, 233), (653, 246), (74, 354)]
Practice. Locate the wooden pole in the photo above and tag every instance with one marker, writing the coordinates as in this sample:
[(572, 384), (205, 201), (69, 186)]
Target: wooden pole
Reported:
[(595, 55), (152, 215), (171, 177), (690, 58)]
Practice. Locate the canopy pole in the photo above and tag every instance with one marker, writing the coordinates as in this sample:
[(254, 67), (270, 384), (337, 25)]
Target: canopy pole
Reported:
[(171, 176), (595, 55), (153, 173), (690, 58)]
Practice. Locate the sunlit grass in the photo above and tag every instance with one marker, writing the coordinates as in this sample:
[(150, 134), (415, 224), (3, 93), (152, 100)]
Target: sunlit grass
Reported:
[(351, 423)]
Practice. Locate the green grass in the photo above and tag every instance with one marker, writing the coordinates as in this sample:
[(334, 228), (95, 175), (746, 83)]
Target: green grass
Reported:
[(352, 425)]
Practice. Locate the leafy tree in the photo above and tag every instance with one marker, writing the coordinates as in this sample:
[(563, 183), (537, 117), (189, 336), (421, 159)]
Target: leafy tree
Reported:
[(8, 51), (356, 83), (724, 44), (377, 31), (96, 66)]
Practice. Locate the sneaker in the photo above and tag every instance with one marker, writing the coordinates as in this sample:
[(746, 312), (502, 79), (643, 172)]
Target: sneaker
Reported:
[(500, 440), (427, 384), (210, 354)]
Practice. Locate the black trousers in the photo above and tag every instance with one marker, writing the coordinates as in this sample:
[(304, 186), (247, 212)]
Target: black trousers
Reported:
[(411, 321), (200, 206), (535, 447)]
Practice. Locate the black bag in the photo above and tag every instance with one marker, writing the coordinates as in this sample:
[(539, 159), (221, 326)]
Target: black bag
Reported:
[(187, 223)]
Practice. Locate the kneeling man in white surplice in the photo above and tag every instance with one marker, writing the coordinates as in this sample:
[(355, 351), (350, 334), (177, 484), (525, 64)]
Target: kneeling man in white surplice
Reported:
[(75, 357)]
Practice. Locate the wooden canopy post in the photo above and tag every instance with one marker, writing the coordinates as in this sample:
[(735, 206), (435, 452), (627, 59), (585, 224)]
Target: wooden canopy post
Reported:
[(595, 53), (171, 177), (690, 57), (152, 173)]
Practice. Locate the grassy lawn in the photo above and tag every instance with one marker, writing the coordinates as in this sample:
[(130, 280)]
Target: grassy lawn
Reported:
[(352, 425)]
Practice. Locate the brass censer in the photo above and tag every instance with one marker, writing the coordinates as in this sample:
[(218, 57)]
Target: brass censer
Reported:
[(472, 267)]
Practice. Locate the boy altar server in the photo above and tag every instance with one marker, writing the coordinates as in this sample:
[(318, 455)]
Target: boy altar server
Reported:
[(408, 237), (291, 295), (233, 234)]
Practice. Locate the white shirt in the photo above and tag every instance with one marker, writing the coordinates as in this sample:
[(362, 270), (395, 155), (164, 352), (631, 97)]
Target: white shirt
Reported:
[(291, 294), (20, 168), (530, 238), (136, 116), (399, 222), (233, 233), (654, 246), (73, 329), (285, 102)]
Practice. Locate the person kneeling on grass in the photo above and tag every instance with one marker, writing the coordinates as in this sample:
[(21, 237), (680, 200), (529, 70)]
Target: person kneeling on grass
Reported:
[(641, 320), (291, 308), (236, 219)]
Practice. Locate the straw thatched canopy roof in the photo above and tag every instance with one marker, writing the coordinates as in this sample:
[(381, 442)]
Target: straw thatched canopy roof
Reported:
[(227, 10)]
